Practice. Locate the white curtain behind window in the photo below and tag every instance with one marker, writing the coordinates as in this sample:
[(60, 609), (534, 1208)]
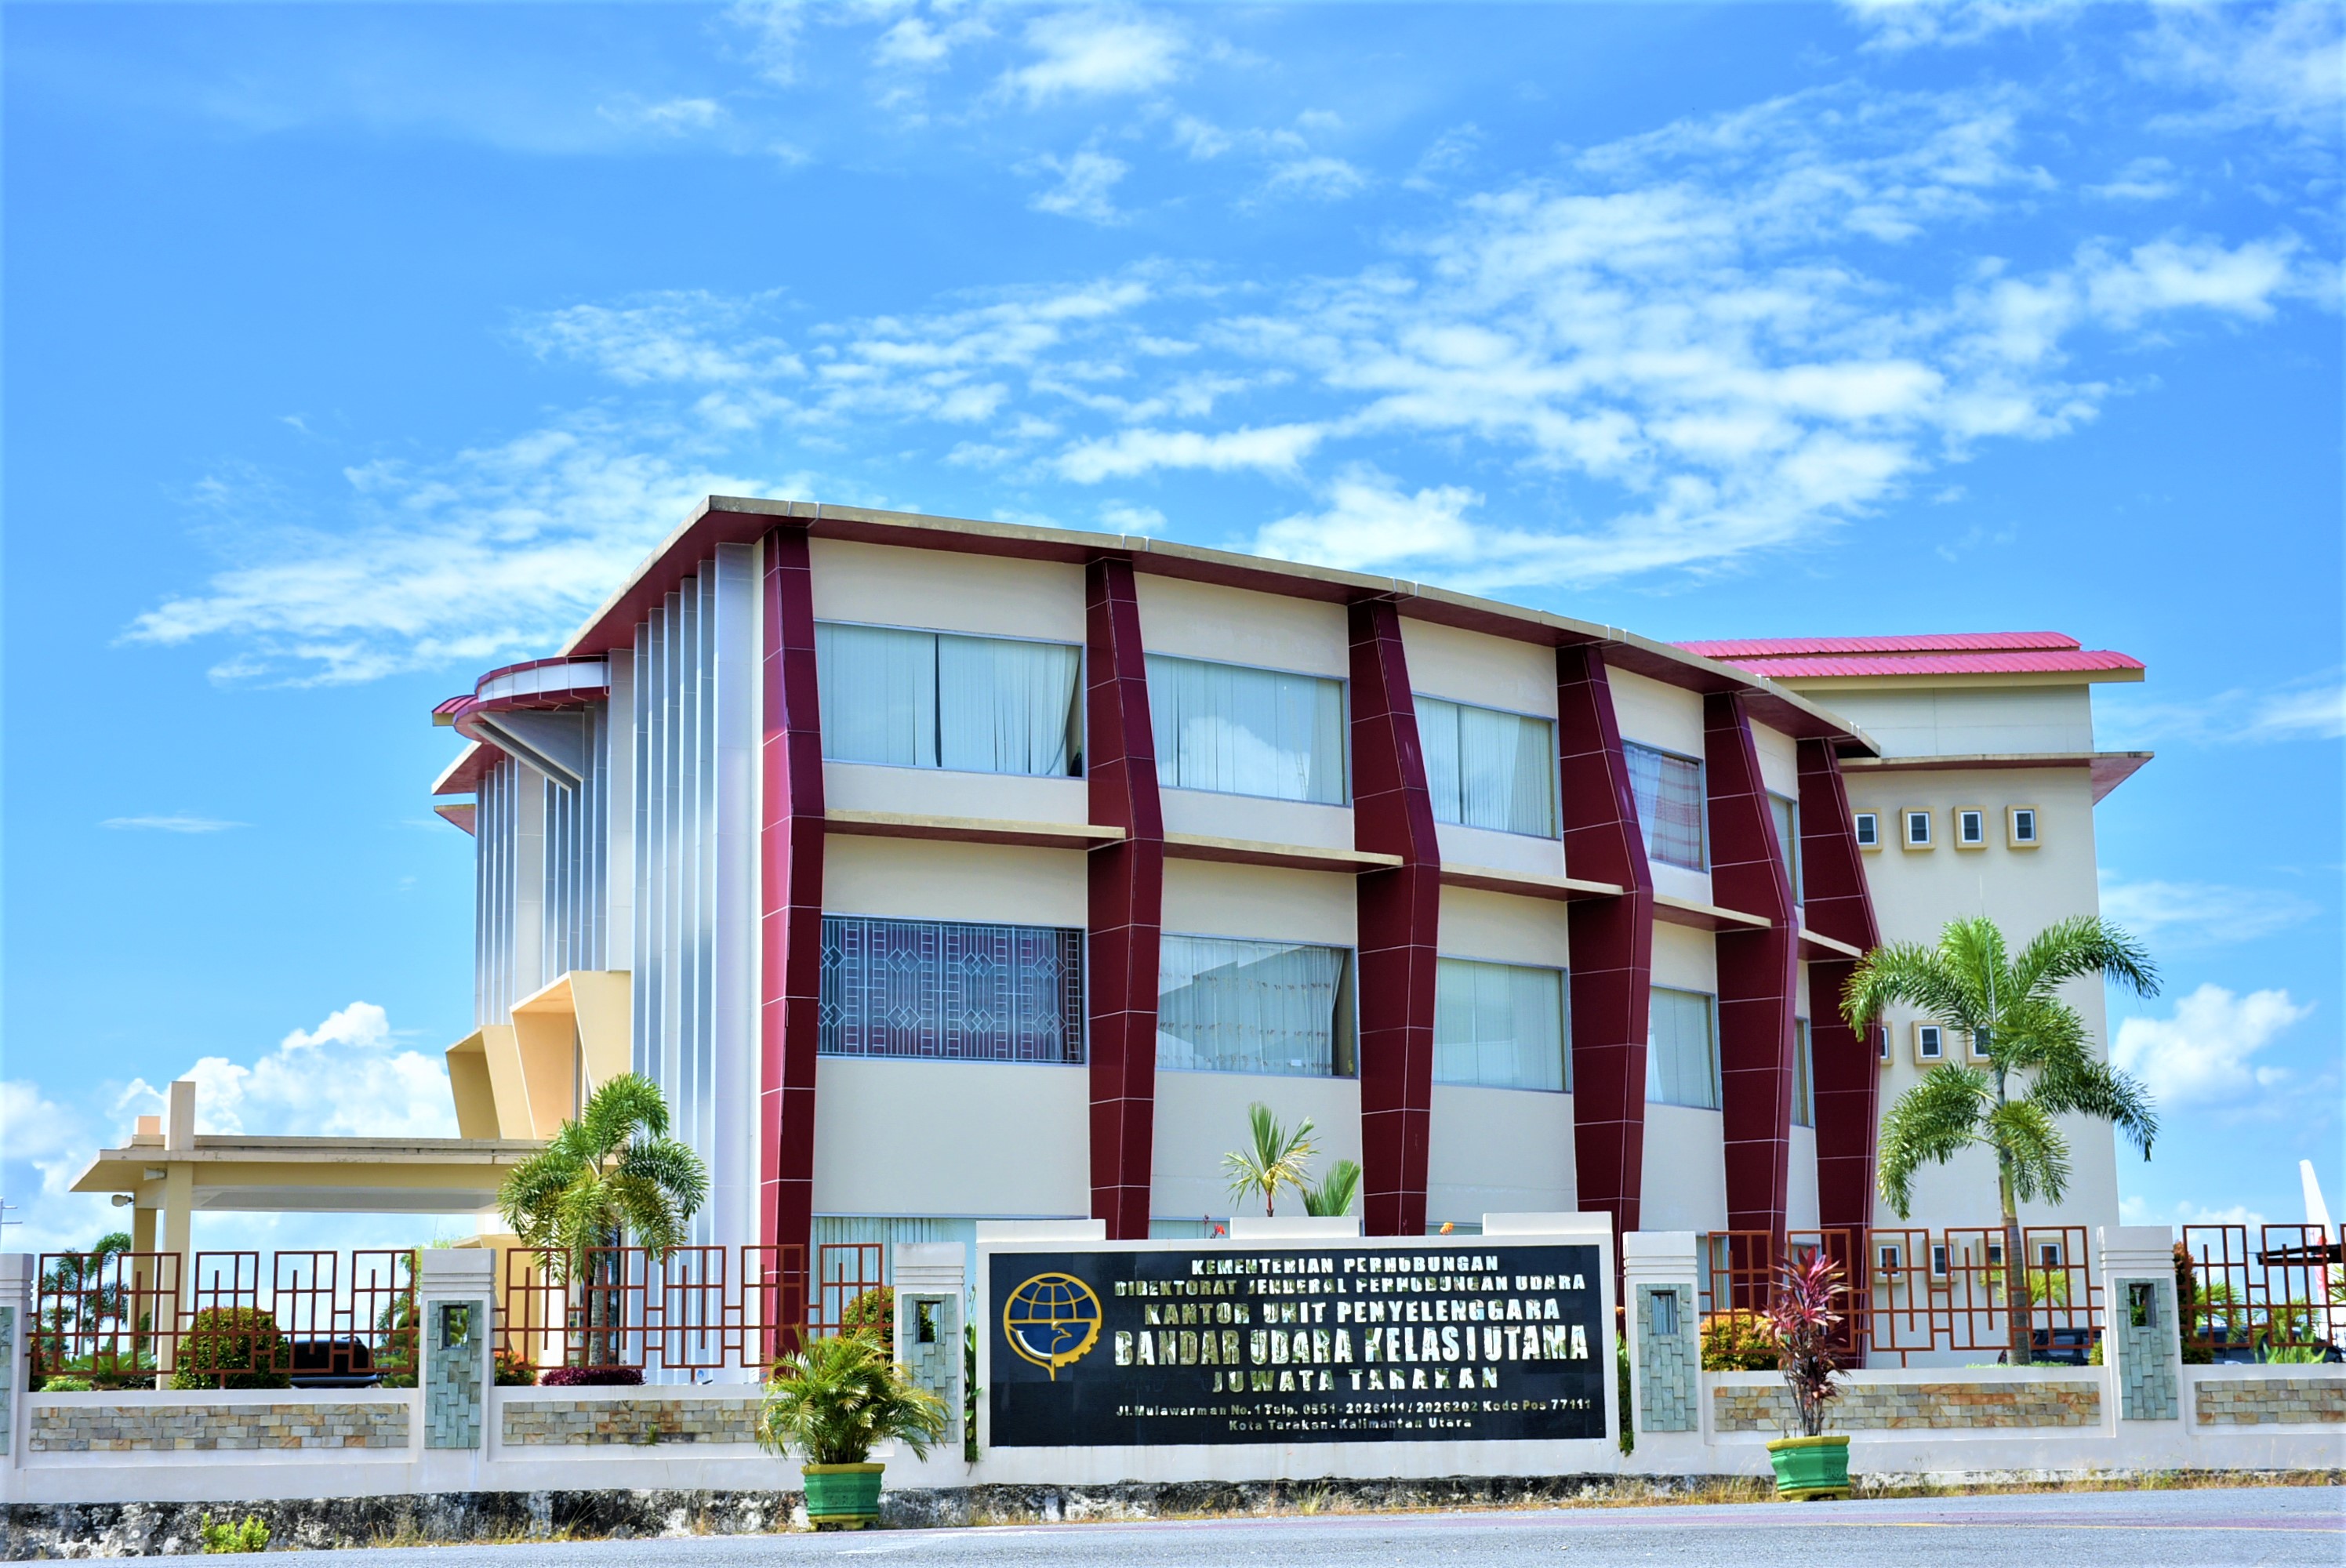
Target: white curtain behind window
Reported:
[(1007, 706), (931, 699), (1486, 768), (1226, 1006), (1671, 805), (1245, 731), (878, 688), (1498, 1025), (1681, 1053)]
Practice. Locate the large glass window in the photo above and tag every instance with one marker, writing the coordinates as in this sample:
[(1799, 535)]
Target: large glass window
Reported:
[(1804, 1076), (1246, 731), (1788, 839), (1669, 804), (935, 700), (948, 991), (1681, 1051), (1229, 1006), (1487, 769), (1499, 1025)]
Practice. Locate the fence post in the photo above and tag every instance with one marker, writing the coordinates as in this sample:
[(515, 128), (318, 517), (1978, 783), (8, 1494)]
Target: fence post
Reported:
[(2142, 1345), (456, 1308), (19, 1276), (929, 1280), (1660, 1274)]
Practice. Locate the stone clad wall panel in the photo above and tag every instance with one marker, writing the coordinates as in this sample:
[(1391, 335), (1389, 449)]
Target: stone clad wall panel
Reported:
[(2271, 1402), (1904, 1407), (647, 1420), (132, 1427)]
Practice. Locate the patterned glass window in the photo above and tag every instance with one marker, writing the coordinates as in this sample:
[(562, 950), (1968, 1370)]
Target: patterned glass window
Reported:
[(1669, 804), (943, 990)]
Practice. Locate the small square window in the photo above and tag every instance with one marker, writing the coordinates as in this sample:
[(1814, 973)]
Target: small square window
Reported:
[(1869, 830), (1970, 827), (1666, 1314), (2142, 1304), (925, 1319), (1917, 835), (1889, 1259), (1979, 1047), (2020, 826), (1930, 1042), (1881, 1043), (1938, 1261), (2048, 1255)]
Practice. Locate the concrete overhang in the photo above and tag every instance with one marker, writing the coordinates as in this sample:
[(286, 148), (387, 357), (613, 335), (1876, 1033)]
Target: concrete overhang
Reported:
[(315, 1175)]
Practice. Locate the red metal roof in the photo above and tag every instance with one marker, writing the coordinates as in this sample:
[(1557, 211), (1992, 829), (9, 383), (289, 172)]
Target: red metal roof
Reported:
[(1738, 648), (1936, 652)]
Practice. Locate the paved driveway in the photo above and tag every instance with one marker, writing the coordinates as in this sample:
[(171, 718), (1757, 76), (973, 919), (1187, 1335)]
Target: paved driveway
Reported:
[(2280, 1526)]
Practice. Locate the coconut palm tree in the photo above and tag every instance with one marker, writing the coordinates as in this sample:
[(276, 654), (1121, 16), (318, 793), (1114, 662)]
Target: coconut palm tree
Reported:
[(611, 1175), (1279, 1158), (80, 1295), (1333, 1196), (2041, 1065)]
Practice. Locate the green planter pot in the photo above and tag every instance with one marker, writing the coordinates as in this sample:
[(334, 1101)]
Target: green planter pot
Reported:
[(1810, 1468), (844, 1496)]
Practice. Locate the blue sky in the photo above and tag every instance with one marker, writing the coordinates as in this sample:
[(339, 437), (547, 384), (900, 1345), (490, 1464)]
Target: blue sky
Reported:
[(350, 352)]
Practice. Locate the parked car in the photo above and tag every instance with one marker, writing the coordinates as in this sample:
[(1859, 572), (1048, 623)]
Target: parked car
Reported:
[(2063, 1347), (333, 1364)]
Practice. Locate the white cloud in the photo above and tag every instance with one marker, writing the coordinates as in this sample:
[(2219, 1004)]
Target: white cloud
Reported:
[(1908, 24), (2138, 1211), (1370, 523), (33, 1127), (343, 1078), (2200, 914), (678, 337), (672, 117), (1126, 518), (2143, 179), (177, 823), (915, 43), (2169, 275), (2312, 707), (2253, 65), (1094, 53), (773, 28), (1085, 180), (1316, 177), (1275, 448), (2204, 1057)]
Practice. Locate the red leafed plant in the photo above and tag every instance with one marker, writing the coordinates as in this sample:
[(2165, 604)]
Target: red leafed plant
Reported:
[(1803, 1318)]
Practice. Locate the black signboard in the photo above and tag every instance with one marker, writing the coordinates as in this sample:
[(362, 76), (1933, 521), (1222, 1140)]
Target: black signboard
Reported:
[(1323, 1343)]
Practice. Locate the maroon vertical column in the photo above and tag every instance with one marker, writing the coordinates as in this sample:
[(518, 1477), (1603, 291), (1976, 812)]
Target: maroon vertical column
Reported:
[(1847, 1070), (790, 894), (1612, 973), (1758, 979), (1400, 916), (1127, 898)]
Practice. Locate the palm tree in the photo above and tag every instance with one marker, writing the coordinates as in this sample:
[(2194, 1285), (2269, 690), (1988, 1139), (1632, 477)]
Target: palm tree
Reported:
[(612, 1173), (1334, 1196), (81, 1294), (1970, 984), (1278, 1158)]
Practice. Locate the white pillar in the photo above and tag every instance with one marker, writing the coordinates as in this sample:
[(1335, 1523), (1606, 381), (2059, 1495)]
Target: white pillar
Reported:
[(456, 1318), (1661, 1271), (931, 1277), (18, 1278), (2142, 1339)]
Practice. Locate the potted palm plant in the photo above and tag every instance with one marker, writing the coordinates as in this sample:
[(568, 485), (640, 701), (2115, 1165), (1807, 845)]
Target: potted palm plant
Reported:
[(834, 1400), (1811, 1464)]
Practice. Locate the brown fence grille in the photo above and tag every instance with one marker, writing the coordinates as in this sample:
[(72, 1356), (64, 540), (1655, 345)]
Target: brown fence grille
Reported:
[(2282, 1298)]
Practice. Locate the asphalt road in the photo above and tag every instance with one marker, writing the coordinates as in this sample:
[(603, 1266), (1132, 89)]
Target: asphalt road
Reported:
[(2280, 1526)]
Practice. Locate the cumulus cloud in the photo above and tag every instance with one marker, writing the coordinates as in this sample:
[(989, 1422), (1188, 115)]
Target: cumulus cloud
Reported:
[(2205, 1057), (346, 1077), (32, 1126), (2200, 914), (2281, 65), (1096, 53), (1370, 523)]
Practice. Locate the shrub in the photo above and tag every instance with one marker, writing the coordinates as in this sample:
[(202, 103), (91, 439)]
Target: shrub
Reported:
[(1738, 1341), (834, 1399), (66, 1386), (250, 1534), (233, 1348), (591, 1377), (514, 1370), (873, 1315)]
